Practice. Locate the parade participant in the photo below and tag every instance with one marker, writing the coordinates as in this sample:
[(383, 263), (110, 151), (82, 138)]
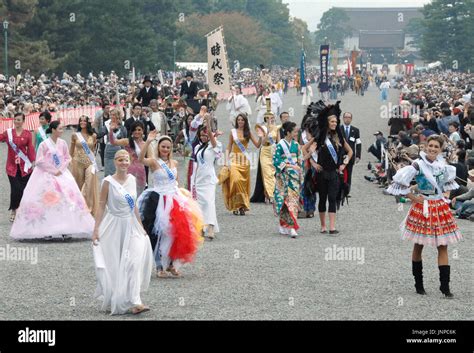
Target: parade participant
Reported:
[(352, 136), (133, 145), (101, 118), (284, 117), (189, 90), (287, 163), (114, 130), (429, 220), (20, 159), (261, 106), (384, 87), (137, 116), (239, 194), (176, 222), (265, 184), (158, 118), (307, 199), (331, 148), (84, 166), (277, 103), (147, 93), (40, 133), (122, 250), (52, 204), (207, 151), (187, 137), (237, 104)]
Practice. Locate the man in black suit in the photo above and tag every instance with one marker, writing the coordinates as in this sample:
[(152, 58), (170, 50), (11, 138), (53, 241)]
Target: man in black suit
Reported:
[(137, 116), (352, 136), (189, 88), (147, 93)]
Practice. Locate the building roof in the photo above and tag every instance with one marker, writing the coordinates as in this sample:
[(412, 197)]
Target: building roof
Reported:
[(381, 39), (376, 19)]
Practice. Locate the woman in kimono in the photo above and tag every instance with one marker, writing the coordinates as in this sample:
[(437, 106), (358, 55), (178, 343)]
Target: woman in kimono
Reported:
[(122, 250), (84, 167), (429, 220), (52, 204), (239, 192), (204, 178), (288, 164)]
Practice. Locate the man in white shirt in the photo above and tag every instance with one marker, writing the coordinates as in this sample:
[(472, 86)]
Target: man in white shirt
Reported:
[(238, 104), (277, 103)]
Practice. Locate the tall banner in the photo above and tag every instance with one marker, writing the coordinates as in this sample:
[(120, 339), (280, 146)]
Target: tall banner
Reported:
[(218, 67), (335, 61), (354, 55), (324, 58), (303, 69)]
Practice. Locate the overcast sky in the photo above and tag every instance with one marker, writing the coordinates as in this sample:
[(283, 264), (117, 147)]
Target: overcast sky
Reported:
[(312, 10)]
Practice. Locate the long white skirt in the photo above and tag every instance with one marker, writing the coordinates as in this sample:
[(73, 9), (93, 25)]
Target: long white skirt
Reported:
[(124, 263), (206, 198)]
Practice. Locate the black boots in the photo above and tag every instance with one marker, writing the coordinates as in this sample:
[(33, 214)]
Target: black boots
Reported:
[(417, 269), (444, 274)]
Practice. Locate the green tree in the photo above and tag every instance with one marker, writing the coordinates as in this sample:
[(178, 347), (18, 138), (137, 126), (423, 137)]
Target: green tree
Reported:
[(448, 33), (23, 53), (333, 28)]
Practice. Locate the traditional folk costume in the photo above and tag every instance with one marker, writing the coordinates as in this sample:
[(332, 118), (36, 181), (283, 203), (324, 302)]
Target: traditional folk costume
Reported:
[(204, 181), (52, 205), (239, 179), (172, 219), (265, 184), (287, 186), (20, 158), (430, 222), (84, 170), (123, 258)]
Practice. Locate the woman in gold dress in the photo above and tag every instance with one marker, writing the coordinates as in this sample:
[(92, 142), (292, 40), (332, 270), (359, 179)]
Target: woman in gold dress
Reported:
[(83, 166), (239, 191), (265, 184)]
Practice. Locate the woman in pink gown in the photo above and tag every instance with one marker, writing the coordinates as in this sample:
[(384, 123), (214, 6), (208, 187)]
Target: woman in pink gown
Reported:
[(52, 205)]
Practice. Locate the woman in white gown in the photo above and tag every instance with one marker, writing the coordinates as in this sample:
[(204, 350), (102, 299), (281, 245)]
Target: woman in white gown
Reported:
[(122, 249), (204, 179)]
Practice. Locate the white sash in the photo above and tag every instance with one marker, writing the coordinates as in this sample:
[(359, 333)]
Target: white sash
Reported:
[(126, 195), (240, 145), (284, 145), (331, 149), (168, 171), (54, 151), (42, 133), (304, 138), (18, 152), (88, 152)]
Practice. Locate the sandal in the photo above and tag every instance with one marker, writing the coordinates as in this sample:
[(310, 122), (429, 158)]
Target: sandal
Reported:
[(310, 215), (12, 217), (174, 272), (140, 309), (162, 274), (334, 232), (236, 213), (242, 212), (323, 231)]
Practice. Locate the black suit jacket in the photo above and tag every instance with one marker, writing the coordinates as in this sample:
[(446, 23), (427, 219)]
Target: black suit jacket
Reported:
[(145, 97), (190, 91), (354, 138), (149, 126)]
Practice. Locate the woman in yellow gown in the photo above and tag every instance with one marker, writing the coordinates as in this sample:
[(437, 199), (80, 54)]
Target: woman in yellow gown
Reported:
[(238, 198), (84, 169), (265, 184)]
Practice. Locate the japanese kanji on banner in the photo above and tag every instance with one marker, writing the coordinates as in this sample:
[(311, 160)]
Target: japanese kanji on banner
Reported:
[(218, 71)]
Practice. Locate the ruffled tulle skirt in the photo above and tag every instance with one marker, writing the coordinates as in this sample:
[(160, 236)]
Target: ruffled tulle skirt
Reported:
[(177, 223), (439, 228)]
